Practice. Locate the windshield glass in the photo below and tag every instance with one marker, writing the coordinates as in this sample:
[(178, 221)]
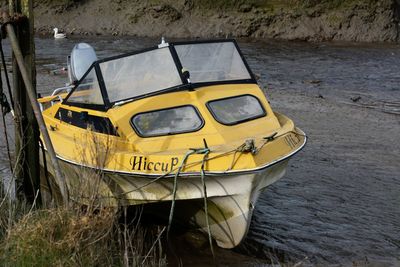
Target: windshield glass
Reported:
[(139, 74), (212, 62), (88, 91), (130, 76)]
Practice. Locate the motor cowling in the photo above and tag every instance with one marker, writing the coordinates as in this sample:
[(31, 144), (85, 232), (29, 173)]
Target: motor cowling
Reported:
[(82, 57)]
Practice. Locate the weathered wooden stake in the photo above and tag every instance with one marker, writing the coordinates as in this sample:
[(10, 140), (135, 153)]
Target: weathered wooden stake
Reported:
[(27, 111), (26, 129)]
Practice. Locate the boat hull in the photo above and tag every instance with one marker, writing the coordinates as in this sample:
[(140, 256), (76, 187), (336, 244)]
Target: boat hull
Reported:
[(231, 197)]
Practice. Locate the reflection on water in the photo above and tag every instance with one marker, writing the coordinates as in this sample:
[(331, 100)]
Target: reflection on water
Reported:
[(324, 210)]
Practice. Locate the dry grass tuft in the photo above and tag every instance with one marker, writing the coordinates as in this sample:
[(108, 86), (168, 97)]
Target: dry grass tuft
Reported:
[(84, 235), (59, 237)]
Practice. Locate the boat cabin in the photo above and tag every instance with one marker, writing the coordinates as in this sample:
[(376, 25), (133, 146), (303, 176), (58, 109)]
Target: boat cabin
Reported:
[(173, 88)]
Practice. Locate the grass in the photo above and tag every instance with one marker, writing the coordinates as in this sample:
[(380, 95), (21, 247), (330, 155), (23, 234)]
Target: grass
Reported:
[(89, 235), (74, 237)]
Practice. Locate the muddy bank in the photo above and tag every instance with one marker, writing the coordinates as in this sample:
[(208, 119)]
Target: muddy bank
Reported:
[(309, 20)]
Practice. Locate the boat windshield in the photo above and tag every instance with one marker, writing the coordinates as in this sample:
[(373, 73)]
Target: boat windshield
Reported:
[(159, 69), (140, 74), (212, 62)]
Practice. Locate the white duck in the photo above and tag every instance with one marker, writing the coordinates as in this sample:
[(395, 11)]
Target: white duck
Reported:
[(58, 35)]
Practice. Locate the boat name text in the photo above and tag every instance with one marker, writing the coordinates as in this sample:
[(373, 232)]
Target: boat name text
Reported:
[(140, 163)]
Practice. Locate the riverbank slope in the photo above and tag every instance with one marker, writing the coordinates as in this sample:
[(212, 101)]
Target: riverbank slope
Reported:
[(308, 20)]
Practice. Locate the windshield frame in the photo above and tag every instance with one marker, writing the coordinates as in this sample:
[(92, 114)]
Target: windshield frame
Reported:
[(184, 86)]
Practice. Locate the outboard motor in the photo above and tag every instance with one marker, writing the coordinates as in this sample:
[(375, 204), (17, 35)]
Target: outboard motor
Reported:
[(82, 57)]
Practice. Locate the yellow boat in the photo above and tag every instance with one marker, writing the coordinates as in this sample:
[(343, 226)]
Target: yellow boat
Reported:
[(170, 126)]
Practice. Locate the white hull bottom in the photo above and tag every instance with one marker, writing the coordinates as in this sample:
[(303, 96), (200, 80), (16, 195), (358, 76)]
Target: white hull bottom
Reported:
[(231, 216), (231, 198)]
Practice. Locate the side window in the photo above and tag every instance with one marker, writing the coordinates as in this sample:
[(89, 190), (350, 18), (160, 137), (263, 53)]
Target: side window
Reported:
[(175, 120), (237, 109), (88, 91), (85, 121)]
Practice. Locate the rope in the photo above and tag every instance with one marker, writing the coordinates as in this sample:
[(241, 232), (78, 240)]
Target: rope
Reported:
[(235, 151), (239, 149), (175, 188), (206, 204), (171, 212)]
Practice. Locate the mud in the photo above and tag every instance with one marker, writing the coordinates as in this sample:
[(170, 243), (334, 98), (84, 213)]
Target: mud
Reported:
[(347, 20), (339, 202)]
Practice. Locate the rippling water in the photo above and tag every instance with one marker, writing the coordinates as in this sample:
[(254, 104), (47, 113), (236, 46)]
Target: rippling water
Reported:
[(340, 199)]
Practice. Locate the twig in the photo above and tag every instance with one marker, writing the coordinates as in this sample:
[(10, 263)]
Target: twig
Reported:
[(155, 242), (34, 201)]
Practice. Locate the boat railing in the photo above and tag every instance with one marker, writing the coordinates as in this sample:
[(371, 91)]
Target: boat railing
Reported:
[(61, 90), (56, 97)]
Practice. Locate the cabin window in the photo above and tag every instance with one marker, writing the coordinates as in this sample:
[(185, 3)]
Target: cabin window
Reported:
[(85, 121), (212, 62), (139, 74), (88, 91), (167, 121), (237, 109)]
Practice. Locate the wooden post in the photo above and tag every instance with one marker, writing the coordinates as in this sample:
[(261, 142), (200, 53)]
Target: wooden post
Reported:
[(30, 92), (26, 128)]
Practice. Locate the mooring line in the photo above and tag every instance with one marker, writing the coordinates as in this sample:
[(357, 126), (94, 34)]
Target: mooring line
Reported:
[(175, 188), (206, 204)]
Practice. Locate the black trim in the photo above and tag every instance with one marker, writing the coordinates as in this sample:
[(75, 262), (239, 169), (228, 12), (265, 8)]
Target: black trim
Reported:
[(85, 121), (240, 121), (253, 77), (76, 84), (170, 133), (84, 105), (178, 63), (203, 84), (102, 86), (182, 87)]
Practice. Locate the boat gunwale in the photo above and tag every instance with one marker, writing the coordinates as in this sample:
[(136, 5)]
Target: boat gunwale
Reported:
[(197, 174)]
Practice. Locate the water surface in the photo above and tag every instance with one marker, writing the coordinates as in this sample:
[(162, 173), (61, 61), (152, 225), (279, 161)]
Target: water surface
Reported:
[(340, 199)]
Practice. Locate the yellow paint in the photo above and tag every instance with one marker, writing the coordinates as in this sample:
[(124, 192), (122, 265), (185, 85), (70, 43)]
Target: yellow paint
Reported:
[(117, 153)]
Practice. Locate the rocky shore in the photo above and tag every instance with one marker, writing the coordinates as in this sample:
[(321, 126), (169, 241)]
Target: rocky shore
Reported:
[(307, 20)]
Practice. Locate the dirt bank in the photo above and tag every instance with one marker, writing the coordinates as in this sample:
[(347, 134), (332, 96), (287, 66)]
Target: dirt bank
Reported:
[(311, 20)]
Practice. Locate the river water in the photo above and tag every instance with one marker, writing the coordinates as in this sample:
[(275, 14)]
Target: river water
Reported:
[(340, 200)]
